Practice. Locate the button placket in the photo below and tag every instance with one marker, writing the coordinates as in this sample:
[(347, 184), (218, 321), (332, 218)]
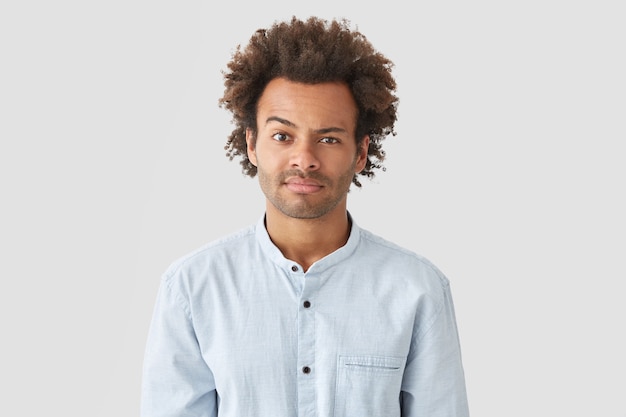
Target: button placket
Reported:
[(306, 345)]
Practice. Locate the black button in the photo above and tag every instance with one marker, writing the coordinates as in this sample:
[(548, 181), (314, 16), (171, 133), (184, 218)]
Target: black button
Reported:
[(306, 304), (306, 370), (294, 268)]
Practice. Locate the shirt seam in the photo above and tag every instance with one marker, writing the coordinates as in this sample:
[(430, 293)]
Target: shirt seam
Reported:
[(177, 296), (419, 258), (430, 324), (177, 265)]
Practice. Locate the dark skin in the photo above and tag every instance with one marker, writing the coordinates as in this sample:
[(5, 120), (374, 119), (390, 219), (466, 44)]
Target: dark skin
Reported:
[(311, 52), (306, 154)]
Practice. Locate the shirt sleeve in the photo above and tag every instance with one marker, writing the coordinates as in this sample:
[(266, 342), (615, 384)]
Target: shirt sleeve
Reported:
[(176, 380), (434, 383)]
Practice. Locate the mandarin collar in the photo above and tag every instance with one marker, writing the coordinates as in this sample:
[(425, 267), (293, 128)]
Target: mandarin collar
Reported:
[(275, 255)]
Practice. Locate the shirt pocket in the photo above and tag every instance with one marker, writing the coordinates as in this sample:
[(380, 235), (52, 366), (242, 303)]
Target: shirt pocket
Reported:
[(368, 386)]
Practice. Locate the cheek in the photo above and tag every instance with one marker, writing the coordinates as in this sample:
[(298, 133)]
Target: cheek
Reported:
[(264, 159)]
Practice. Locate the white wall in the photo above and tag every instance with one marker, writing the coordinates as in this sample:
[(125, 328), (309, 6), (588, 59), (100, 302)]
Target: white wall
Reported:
[(507, 171)]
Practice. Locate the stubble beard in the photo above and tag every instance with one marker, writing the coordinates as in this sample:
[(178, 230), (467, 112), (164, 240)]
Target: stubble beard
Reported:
[(304, 206)]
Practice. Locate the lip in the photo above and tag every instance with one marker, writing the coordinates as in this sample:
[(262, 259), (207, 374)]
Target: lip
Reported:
[(303, 185)]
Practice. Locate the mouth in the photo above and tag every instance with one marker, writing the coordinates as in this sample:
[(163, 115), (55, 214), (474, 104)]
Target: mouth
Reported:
[(303, 185)]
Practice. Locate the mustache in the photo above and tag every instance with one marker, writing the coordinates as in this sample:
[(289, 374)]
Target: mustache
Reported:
[(322, 179)]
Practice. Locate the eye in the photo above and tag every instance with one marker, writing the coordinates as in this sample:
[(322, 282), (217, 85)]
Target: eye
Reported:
[(329, 140), (280, 137)]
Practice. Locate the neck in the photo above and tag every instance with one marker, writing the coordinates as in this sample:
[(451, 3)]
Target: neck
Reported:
[(306, 241)]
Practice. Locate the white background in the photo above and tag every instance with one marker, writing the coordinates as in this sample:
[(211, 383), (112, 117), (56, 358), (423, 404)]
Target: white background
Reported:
[(507, 172)]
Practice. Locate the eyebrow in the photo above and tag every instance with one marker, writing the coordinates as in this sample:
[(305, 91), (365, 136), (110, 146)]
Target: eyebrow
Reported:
[(291, 124)]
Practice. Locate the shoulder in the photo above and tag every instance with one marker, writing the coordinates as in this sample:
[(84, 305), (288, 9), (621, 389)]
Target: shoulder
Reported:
[(380, 251), (389, 249), (414, 280), (213, 254)]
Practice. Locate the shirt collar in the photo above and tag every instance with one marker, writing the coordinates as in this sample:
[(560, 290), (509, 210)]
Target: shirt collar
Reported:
[(273, 253)]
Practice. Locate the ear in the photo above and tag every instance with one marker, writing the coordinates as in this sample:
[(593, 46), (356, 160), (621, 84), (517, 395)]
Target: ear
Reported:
[(251, 146), (361, 158)]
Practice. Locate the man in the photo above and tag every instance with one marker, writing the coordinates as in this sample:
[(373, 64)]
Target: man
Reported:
[(305, 313)]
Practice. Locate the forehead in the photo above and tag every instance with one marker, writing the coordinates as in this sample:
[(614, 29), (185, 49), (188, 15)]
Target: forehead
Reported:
[(317, 104)]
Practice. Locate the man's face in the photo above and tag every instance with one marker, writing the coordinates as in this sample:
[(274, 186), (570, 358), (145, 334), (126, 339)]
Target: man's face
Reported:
[(305, 150)]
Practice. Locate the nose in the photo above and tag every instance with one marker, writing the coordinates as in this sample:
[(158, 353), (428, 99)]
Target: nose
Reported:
[(304, 157)]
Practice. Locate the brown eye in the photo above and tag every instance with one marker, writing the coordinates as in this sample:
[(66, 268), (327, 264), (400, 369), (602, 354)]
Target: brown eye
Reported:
[(280, 137)]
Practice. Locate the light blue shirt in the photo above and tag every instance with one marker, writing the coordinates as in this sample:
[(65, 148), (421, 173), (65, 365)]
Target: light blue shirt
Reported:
[(240, 331)]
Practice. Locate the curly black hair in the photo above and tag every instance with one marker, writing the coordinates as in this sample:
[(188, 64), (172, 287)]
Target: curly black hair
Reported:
[(311, 51)]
